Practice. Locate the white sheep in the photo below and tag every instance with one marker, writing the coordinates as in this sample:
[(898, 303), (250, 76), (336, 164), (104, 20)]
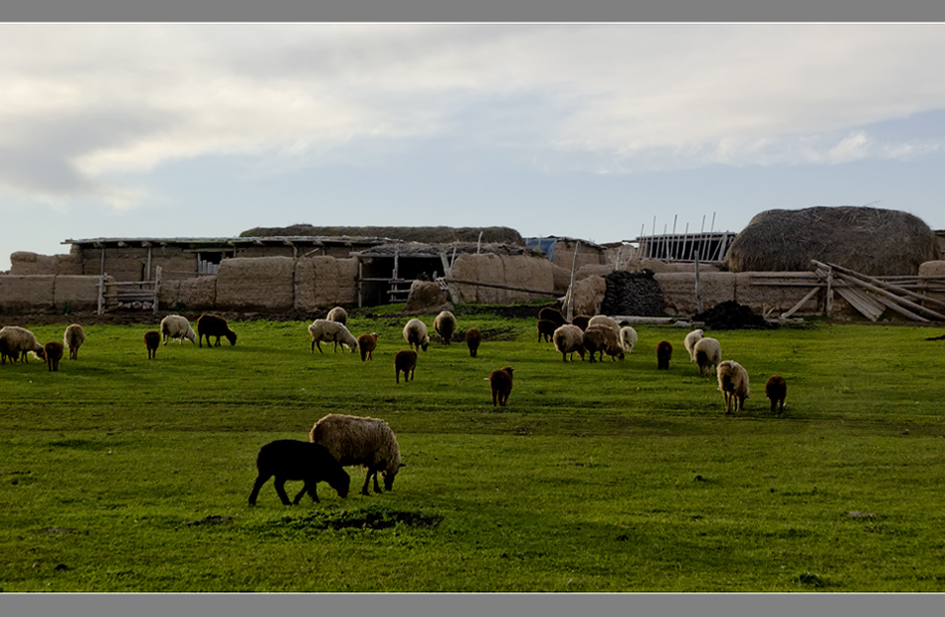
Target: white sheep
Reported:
[(733, 383), (356, 440), (445, 325), (14, 341), (691, 339), (607, 321), (326, 331), (415, 333), (177, 326), (708, 353), (628, 338), (73, 338), (569, 339), (338, 314)]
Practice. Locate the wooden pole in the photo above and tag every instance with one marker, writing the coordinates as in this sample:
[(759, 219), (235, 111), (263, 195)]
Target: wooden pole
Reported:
[(570, 312), (698, 288)]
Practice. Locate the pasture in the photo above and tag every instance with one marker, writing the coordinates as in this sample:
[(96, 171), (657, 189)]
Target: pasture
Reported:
[(123, 474)]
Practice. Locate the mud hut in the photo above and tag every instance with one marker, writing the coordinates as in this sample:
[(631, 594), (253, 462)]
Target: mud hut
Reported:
[(873, 241)]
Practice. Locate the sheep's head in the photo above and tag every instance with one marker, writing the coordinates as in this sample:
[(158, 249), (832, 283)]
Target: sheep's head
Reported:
[(389, 477), (341, 482), (231, 336), (425, 342)]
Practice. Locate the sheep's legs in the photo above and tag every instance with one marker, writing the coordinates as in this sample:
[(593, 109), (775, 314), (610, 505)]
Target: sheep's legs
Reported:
[(260, 480), (371, 473), (280, 489), (307, 488)]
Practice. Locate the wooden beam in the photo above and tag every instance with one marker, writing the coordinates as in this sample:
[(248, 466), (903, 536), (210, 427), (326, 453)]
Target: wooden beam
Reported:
[(794, 308)]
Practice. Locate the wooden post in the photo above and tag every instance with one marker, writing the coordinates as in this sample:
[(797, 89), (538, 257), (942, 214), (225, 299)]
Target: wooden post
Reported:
[(828, 300), (570, 311), (101, 292), (360, 281), (157, 284), (698, 288)]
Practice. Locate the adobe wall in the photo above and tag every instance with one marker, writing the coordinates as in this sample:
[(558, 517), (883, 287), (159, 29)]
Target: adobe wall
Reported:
[(521, 271)]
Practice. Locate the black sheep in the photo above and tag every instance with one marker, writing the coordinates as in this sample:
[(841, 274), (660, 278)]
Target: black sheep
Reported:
[(213, 325), (290, 459)]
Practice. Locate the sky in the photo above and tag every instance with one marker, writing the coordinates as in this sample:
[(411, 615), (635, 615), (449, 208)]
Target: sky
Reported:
[(594, 131)]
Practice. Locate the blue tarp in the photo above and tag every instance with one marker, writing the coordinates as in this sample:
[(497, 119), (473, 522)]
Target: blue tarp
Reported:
[(545, 245)]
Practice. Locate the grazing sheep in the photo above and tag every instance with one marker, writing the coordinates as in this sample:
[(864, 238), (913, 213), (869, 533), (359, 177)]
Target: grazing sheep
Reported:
[(691, 339), (338, 314), (152, 338), (605, 320), (569, 339), (581, 321), (177, 326), (600, 339), (290, 459), (213, 325), (733, 383), (546, 329), (366, 344), (628, 338), (445, 325), (327, 331), (415, 333), (73, 338), (368, 442), (52, 353), (500, 382), (776, 391), (552, 315), (708, 354), (473, 340), (15, 341), (664, 352), (405, 361)]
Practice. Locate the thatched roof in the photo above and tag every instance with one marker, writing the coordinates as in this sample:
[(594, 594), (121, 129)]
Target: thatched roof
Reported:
[(436, 235), (869, 240), (418, 249)]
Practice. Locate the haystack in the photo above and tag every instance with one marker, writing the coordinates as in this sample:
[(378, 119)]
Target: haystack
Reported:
[(873, 241), (425, 297)]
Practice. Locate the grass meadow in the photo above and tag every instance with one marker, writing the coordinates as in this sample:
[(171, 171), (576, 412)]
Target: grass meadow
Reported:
[(120, 474)]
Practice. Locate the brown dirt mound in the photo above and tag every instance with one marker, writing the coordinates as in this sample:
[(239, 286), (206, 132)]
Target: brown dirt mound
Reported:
[(733, 316)]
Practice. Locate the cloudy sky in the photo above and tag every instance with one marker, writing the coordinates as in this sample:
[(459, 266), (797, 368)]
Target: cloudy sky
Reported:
[(590, 131)]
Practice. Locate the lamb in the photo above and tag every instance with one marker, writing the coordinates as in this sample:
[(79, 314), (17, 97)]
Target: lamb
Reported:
[(581, 321), (776, 391), (733, 383), (326, 331), (628, 338), (664, 352), (500, 382), (291, 459), (52, 353), (546, 329), (213, 325), (569, 339), (415, 333), (690, 342), (605, 320), (355, 440), (552, 315), (473, 340), (14, 341), (601, 339), (338, 314), (177, 326), (152, 338), (366, 344), (445, 325), (405, 362), (73, 338), (708, 354)]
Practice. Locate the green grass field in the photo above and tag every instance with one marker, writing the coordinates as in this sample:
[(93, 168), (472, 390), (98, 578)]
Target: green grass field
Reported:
[(122, 474)]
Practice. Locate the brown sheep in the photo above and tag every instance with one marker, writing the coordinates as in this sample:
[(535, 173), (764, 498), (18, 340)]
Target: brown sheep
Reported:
[(213, 325), (776, 391), (500, 381), (473, 339), (552, 315), (405, 362), (664, 351), (546, 329), (52, 352), (366, 344), (581, 321), (152, 338), (601, 339)]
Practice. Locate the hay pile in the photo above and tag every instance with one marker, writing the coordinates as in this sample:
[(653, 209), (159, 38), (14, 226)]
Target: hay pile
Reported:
[(436, 235), (869, 240)]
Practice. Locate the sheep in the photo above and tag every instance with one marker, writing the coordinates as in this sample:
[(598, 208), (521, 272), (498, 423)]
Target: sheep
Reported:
[(213, 325), (355, 440), (552, 315), (338, 314), (581, 321), (73, 338), (569, 339), (152, 338), (177, 326), (664, 352), (52, 353), (15, 341), (405, 361), (628, 338), (326, 331), (546, 329), (601, 339), (415, 333), (291, 459), (473, 340), (708, 354), (500, 382), (366, 344), (733, 383), (690, 342), (445, 325), (604, 319), (776, 391)]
